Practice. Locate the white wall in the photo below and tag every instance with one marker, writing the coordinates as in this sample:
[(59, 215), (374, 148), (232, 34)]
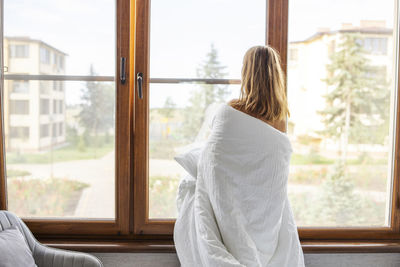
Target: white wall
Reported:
[(312, 260)]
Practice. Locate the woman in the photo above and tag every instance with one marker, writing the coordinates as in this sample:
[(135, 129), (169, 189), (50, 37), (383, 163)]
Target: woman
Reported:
[(233, 205)]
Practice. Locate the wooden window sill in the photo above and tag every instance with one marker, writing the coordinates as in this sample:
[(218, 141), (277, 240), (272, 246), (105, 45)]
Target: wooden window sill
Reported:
[(167, 246)]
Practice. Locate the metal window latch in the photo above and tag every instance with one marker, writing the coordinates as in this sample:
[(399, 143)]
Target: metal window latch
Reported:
[(139, 79), (5, 69), (122, 76)]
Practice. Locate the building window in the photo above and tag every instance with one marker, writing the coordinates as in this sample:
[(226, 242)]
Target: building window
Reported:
[(54, 130), (20, 87), (54, 106), (376, 72), (44, 130), (60, 129), (44, 55), (375, 45), (60, 106), (19, 107), (55, 85), (44, 106), (44, 87), (55, 59), (61, 62), (21, 132), (19, 51)]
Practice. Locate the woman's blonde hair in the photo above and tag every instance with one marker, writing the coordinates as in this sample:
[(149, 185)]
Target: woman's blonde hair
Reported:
[(263, 92)]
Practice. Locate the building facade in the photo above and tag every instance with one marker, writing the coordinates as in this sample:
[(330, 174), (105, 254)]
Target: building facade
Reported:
[(307, 68), (34, 110)]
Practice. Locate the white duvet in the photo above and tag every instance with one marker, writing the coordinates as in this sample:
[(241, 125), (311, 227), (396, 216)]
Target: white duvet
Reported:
[(233, 206)]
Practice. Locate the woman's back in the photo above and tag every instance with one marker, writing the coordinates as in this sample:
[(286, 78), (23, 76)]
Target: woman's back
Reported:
[(240, 197)]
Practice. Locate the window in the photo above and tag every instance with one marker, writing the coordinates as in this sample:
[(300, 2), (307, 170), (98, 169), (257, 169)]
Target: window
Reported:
[(172, 113), (55, 85), (376, 72), (55, 110), (55, 59), (60, 129), (20, 132), (44, 106), (19, 51), (19, 107), (79, 115), (61, 62), (44, 55), (44, 130), (54, 130), (44, 87), (342, 123), (375, 45), (313, 177), (20, 87), (128, 143), (60, 106)]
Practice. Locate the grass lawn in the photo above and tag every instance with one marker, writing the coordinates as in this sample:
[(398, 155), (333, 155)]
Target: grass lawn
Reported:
[(62, 154)]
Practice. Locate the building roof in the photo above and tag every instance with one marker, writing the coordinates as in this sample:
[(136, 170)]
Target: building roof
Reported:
[(28, 39), (367, 30)]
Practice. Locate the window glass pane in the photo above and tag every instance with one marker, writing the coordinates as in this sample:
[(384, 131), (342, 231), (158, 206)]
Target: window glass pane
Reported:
[(182, 33), (20, 87), (341, 85), (60, 135), (192, 39), (64, 36), (175, 125), (60, 163)]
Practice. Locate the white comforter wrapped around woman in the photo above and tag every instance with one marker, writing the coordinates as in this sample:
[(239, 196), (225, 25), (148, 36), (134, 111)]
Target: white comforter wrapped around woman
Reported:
[(233, 205)]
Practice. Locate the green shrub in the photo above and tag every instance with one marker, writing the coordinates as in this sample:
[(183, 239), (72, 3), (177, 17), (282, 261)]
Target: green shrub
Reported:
[(162, 200), (44, 197)]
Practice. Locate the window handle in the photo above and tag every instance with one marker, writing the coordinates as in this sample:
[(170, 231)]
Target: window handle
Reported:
[(139, 79), (122, 76)]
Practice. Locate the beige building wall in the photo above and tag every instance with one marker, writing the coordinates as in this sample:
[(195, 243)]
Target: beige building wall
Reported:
[(35, 63)]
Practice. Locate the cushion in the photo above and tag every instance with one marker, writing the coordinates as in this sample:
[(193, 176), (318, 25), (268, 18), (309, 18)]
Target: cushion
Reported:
[(14, 252), (188, 160)]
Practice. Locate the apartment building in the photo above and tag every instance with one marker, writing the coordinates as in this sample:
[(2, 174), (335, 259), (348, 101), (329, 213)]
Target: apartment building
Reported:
[(34, 110), (307, 69)]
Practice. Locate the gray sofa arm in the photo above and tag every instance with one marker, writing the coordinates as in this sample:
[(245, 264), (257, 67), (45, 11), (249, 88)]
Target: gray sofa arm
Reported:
[(45, 256), (52, 257)]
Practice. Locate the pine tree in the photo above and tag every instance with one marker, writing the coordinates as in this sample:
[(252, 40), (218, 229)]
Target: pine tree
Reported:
[(353, 94), (206, 95), (357, 102)]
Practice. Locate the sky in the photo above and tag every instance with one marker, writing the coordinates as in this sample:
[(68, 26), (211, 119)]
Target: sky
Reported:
[(182, 32)]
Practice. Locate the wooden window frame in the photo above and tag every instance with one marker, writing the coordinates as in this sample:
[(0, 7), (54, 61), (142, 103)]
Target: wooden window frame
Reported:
[(132, 230), (277, 37), (78, 228)]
